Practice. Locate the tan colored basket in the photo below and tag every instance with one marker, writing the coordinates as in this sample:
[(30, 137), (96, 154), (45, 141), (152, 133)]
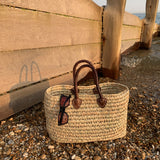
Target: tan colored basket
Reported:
[(90, 122)]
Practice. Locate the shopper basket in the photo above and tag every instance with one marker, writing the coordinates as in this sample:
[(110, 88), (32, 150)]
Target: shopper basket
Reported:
[(78, 114)]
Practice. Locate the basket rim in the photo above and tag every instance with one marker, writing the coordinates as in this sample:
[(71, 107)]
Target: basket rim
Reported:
[(56, 87)]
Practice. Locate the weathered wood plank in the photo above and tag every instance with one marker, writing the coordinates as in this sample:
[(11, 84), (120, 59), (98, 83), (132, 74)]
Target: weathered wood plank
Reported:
[(26, 97), (23, 29), (129, 32), (22, 67), (21, 99), (83, 8), (125, 45), (132, 20)]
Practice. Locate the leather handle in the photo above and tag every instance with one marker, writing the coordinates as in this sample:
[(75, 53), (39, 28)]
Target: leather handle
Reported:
[(77, 63), (77, 101)]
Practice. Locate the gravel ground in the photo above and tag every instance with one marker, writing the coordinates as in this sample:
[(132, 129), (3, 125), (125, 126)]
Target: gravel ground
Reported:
[(24, 135)]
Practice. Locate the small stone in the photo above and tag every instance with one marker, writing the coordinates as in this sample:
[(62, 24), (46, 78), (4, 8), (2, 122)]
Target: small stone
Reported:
[(141, 96), (64, 153), (25, 155), (77, 158), (73, 157), (10, 142), (43, 156), (9, 151), (11, 133), (134, 88), (143, 155), (104, 147), (50, 147), (26, 129), (20, 125), (3, 122), (87, 158), (115, 155), (155, 106), (18, 131), (97, 158), (11, 119), (2, 143), (83, 151), (153, 147)]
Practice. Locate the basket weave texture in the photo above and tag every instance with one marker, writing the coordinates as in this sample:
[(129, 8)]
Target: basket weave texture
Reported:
[(89, 123)]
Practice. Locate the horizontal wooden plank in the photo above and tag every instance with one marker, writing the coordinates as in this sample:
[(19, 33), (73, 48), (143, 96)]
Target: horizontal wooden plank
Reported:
[(23, 67), (132, 20), (24, 29), (129, 32), (26, 97), (83, 8), (127, 44), (21, 99)]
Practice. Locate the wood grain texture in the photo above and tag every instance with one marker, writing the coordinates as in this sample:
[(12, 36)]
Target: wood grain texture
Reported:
[(149, 23), (127, 44), (23, 67), (26, 97), (23, 29), (129, 32), (23, 98), (113, 20), (78, 8), (132, 20)]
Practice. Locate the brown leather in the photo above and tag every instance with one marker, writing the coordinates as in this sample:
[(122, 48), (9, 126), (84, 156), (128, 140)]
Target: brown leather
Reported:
[(73, 91), (102, 102), (95, 90), (77, 63), (76, 101)]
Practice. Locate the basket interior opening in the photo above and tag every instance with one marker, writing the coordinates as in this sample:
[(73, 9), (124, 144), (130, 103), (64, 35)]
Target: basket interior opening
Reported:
[(105, 89)]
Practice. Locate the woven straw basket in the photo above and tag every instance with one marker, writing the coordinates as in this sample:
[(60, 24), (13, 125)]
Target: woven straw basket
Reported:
[(91, 116)]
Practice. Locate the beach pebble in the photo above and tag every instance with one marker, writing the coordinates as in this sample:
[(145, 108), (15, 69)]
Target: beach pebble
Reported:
[(143, 155), (43, 156), (97, 158), (73, 157), (10, 142), (11, 133), (25, 155)]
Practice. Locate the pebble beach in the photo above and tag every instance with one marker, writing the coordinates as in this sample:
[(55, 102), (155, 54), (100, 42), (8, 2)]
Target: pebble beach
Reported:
[(24, 135)]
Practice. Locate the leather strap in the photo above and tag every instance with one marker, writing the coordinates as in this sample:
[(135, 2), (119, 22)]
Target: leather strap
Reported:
[(77, 63), (101, 101)]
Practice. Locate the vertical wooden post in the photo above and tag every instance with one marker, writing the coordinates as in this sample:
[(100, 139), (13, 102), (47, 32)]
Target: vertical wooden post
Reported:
[(149, 22), (113, 20)]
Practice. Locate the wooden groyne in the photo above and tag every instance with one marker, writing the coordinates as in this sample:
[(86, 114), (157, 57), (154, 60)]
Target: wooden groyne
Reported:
[(125, 32), (41, 40)]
